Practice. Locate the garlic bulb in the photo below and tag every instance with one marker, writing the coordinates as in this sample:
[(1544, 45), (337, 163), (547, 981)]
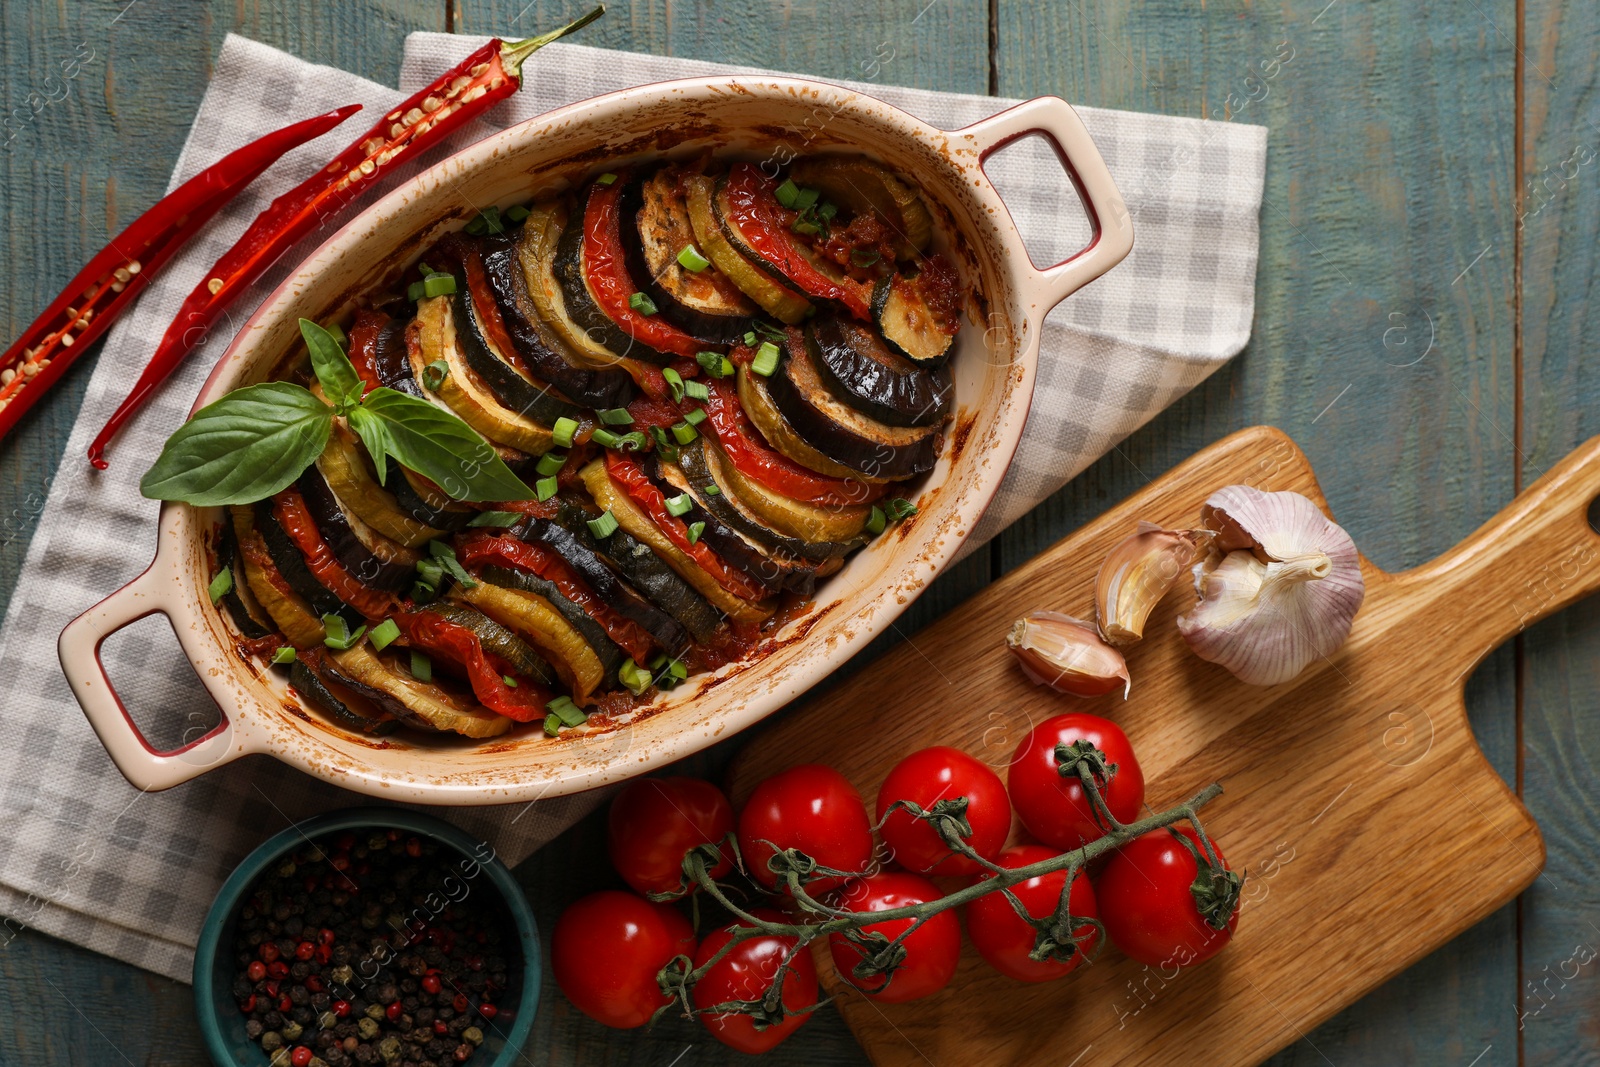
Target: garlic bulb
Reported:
[(1137, 574), (1278, 589), (1067, 655)]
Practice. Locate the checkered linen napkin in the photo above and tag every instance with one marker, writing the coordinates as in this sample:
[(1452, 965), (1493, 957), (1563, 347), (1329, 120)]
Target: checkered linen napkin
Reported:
[(86, 857)]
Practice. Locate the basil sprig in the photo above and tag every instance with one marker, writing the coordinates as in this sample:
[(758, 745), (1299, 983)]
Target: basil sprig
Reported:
[(256, 441)]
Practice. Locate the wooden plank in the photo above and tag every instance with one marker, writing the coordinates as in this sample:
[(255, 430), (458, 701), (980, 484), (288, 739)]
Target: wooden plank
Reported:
[(1389, 170), (1560, 211)]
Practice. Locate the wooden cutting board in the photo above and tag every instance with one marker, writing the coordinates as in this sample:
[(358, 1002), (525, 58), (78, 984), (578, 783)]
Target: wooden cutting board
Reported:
[(1371, 825)]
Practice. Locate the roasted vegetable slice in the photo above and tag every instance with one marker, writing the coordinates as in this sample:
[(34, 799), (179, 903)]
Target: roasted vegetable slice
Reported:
[(367, 555), (728, 505), (543, 234), (430, 705), (860, 370), (350, 710), (657, 237), (756, 399), (593, 633), (532, 615), (517, 392), (485, 651), (858, 186), (909, 324), (290, 514), (238, 599), (345, 469), (291, 565), (391, 355), (426, 503), (456, 386), (288, 611), (778, 300)]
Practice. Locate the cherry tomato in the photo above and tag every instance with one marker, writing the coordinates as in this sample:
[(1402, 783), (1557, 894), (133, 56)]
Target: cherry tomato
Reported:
[(1054, 808), (655, 821), (814, 809), (746, 973), (1151, 914), (935, 774), (931, 952), (1004, 940), (606, 950)]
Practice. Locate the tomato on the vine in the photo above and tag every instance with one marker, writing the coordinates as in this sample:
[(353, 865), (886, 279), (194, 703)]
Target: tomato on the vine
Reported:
[(935, 774), (1153, 897), (606, 950), (812, 808), (932, 950), (654, 822), (746, 973), (1053, 806), (1004, 940)]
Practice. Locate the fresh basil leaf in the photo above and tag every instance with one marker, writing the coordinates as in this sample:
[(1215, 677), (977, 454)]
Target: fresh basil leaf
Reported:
[(242, 448), (333, 368), (440, 447), (374, 434)]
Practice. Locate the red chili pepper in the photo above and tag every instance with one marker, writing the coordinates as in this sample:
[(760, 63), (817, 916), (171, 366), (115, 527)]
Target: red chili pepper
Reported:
[(751, 456), (436, 634), (452, 100), (109, 282), (764, 224)]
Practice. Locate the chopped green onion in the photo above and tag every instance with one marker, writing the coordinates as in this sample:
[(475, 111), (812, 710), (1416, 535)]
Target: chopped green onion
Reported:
[(714, 363), (430, 575), (642, 303), (696, 390), (804, 199), (434, 374), (383, 635), (683, 433), (511, 683), (516, 212), (664, 444), (806, 226), (787, 193), (414, 292), (766, 360), (865, 258), (421, 666), (338, 334), (425, 270), (545, 488), (487, 221), (711, 490), (899, 508), (633, 441), (551, 463), (607, 178), (562, 432), (770, 331), (496, 518), (439, 285), (604, 526), (691, 259), (284, 654), (749, 338), (668, 672), (615, 416), (679, 505), (675, 382), (569, 713), (336, 632), (447, 558), (221, 585), (604, 438), (552, 726), (695, 416), (695, 530), (827, 210), (875, 521), (633, 676)]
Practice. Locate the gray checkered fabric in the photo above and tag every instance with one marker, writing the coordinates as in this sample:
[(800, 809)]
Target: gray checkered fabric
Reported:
[(86, 857)]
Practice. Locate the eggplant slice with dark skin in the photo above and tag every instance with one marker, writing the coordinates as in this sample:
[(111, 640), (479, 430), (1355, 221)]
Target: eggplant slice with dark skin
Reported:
[(581, 305), (233, 599), (604, 582), (655, 230), (592, 632), (365, 564), (859, 369), (441, 516), (845, 436), (286, 557), (529, 398), (316, 683), (391, 358)]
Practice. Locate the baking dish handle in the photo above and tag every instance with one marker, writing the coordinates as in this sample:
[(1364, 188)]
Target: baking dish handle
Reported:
[(144, 765), (1111, 228)]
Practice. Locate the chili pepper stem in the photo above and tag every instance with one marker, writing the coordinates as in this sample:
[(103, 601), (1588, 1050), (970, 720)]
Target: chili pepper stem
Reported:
[(514, 53)]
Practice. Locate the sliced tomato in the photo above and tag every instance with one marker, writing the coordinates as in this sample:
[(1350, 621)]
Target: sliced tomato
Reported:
[(606, 274), (486, 672), (764, 224), (363, 340), (755, 460), (626, 473), (289, 507), (483, 549)]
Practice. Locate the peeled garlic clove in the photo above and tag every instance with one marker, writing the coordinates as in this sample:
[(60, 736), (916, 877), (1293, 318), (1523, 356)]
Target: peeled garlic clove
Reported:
[(1067, 655), (1279, 588), (1137, 574)]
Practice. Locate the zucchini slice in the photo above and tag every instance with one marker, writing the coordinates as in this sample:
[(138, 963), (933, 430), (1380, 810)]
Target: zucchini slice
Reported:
[(238, 600), (847, 437), (859, 369), (859, 186), (610, 655), (371, 558), (655, 231), (605, 583), (495, 638), (515, 391), (461, 391), (345, 469), (292, 566), (577, 664), (779, 301), (908, 325), (431, 706), (582, 307), (756, 399), (542, 234), (294, 618), (726, 504), (628, 515), (352, 712)]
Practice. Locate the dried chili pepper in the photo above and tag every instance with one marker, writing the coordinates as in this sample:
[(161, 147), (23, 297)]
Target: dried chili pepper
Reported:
[(109, 282), (449, 102)]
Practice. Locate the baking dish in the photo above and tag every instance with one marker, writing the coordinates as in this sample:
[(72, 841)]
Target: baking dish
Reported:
[(994, 368)]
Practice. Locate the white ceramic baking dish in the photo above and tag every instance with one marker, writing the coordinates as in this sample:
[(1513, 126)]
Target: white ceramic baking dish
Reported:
[(994, 366)]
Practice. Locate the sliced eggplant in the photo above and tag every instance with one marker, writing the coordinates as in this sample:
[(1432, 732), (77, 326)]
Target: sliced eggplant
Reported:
[(645, 571), (778, 300), (655, 231), (541, 349), (859, 369), (543, 233), (391, 355), (730, 509), (347, 711), (756, 399), (604, 582), (574, 660), (609, 496), (345, 469), (428, 505), (908, 325), (835, 523), (431, 706), (516, 391), (289, 613), (235, 599), (611, 656), (859, 186), (495, 638), (371, 558), (845, 436), (582, 308), (460, 390), (292, 566)]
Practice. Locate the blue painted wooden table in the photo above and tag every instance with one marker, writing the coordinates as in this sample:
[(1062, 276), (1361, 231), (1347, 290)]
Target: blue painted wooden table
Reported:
[(1429, 243)]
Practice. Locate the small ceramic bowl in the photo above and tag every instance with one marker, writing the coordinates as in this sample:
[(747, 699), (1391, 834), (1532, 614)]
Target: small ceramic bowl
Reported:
[(221, 1022)]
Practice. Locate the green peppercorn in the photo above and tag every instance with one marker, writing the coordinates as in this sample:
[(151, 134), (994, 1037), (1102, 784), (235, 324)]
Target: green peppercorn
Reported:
[(286, 869), (291, 1030), (271, 1040), (343, 975), (389, 1049), (374, 1011), (367, 1028), (472, 1034), (327, 1020)]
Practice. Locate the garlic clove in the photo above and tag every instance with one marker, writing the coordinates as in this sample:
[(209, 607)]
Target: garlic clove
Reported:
[(1067, 655), (1137, 574), (1279, 588)]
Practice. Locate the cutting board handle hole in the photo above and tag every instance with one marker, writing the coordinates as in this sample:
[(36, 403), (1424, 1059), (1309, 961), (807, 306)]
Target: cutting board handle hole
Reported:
[(1593, 515)]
